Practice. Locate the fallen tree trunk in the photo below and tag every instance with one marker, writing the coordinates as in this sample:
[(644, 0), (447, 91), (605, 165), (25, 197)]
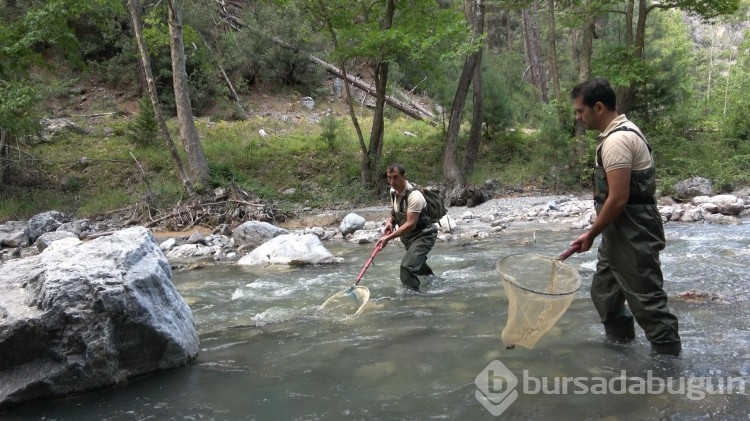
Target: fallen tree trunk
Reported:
[(412, 110)]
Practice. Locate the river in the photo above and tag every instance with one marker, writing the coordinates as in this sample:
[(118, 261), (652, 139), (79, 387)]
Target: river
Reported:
[(268, 354)]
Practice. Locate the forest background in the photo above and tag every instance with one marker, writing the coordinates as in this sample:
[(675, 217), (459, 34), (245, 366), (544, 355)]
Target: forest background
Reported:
[(459, 91)]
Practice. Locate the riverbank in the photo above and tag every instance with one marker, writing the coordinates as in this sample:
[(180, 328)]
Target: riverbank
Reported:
[(524, 216)]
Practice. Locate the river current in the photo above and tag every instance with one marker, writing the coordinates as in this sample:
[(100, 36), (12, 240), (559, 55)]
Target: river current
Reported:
[(267, 353)]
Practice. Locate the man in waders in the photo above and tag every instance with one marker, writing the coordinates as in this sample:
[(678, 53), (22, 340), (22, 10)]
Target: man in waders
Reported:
[(415, 228), (628, 267)]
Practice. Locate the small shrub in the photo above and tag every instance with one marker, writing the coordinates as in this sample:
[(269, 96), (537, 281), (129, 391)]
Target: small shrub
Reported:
[(330, 130), (222, 174), (143, 129)]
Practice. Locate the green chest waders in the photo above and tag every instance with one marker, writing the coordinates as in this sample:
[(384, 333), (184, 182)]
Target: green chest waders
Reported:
[(628, 267), (418, 244)]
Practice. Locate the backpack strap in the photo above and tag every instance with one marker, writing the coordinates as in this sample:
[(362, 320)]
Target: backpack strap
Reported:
[(403, 207), (403, 204)]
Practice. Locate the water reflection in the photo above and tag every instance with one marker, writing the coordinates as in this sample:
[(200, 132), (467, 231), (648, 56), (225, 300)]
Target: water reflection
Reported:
[(266, 353)]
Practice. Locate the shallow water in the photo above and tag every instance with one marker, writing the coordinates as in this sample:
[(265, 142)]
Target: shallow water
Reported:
[(267, 353)]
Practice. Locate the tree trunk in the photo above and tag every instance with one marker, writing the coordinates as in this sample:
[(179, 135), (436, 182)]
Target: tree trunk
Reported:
[(197, 163), (135, 15), (452, 173), (347, 90), (508, 31), (477, 122), (584, 72), (731, 60), (553, 66), (375, 149), (371, 159), (3, 158), (533, 50), (626, 94)]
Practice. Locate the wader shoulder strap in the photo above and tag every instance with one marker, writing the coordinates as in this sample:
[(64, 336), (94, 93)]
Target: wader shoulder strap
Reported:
[(620, 128)]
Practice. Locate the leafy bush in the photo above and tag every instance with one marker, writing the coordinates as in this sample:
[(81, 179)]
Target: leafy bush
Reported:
[(330, 130), (143, 130), (222, 175)]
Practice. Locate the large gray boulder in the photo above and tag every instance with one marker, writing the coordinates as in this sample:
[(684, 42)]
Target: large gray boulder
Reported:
[(290, 249), (725, 204), (351, 223), (692, 187), (80, 316), (14, 234), (47, 238), (255, 233), (44, 222)]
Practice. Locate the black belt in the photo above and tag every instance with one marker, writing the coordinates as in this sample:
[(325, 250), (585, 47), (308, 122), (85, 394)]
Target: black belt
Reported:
[(634, 201)]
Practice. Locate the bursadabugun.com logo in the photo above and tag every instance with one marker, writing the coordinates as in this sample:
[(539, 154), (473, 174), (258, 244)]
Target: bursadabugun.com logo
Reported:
[(497, 386)]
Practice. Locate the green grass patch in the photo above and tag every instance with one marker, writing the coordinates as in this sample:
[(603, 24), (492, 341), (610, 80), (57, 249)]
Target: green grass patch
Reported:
[(102, 201), (23, 205), (316, 163)]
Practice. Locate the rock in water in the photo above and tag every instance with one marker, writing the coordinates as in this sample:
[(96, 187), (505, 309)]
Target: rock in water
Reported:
[(80, 316)]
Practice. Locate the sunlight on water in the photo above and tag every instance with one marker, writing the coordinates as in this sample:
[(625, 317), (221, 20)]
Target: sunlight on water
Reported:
[(269, 352)]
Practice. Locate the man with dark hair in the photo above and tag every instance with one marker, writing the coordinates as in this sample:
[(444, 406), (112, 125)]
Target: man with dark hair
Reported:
[(415, 228), (628, 267)]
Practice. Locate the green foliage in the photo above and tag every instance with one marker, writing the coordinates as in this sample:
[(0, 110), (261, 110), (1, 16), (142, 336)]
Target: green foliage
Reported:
[(737, 125), (22, 205), (259, 59), (555, 148), (17, 100), (103, 200), (143, 130), (205, 83), (667, 87), (498, 110), (37, 28), (222, 174), (678, 157), (709, 9), (508, 71), (330, 130), (420, 31)]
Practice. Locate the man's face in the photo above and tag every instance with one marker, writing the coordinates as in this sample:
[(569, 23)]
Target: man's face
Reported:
[(585, 114), (396, 180)]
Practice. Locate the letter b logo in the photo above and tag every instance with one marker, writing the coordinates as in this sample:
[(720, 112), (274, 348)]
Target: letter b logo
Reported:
[(497, 387)]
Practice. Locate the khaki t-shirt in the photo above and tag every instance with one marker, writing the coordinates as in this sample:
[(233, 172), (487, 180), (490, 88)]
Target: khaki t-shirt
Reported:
[(623, 149), (414, 203)]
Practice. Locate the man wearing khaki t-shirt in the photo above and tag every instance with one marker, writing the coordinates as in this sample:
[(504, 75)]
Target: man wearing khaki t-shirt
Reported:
[(628, 267), (415, 228)]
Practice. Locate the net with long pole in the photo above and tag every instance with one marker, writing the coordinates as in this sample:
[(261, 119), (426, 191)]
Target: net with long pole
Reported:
[(540, 290)]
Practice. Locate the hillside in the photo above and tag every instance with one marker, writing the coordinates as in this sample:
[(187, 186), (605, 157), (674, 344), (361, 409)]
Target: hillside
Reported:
[(97, 170)]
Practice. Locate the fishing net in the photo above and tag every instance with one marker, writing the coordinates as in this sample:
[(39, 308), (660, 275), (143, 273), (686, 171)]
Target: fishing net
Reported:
[(350, 301), (540, 290)]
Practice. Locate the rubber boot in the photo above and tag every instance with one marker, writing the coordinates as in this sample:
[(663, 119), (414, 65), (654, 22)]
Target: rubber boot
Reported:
[(620, 334), (672, 349)]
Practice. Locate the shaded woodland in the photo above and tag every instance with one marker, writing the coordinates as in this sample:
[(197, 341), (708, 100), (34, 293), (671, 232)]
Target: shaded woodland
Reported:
[(478, 72)]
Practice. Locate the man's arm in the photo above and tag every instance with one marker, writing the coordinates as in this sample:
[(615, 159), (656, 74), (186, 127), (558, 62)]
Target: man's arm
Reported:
[(618, 182), (409, 225)]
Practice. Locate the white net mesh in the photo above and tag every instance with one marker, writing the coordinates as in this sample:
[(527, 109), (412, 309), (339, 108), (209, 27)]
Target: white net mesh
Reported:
[(539, 291), (349, 302)]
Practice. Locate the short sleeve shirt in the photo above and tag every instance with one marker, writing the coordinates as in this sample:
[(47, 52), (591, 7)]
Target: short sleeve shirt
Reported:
[(623, 149), (415, 202)]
